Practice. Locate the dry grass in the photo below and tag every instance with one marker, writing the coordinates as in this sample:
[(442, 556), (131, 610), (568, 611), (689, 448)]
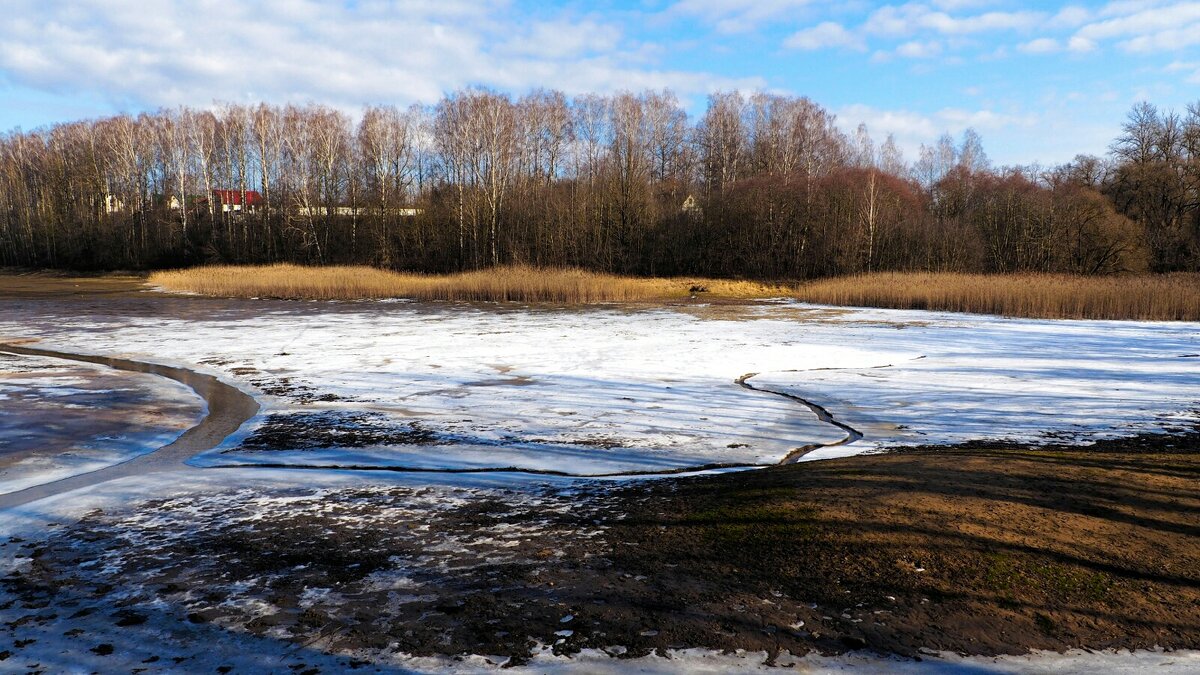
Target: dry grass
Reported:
[(512, 284), (1169, 297), (1146, 297)]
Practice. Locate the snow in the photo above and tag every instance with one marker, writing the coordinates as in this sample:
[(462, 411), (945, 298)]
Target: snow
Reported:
[(985, 377), (153, 647), (617, 389), (599, 662)]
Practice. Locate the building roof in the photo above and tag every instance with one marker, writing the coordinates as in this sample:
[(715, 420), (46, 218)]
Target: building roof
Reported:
[(234, 197)]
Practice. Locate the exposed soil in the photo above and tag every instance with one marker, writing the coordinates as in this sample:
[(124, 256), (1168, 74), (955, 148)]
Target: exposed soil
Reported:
[(282, 386), (980, 550), (50, 284)]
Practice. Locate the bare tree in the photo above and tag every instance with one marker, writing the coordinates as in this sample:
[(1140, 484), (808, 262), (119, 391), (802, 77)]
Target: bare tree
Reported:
[(723, 141), (385, 149), (891, 158)]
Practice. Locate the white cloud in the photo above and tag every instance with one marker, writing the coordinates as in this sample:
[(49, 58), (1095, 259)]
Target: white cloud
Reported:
[(565, 39), (953, 5), (1070, 17), (912, 129), (917, 49), (1146, 26), (738, 16), (912, 18), (1123, 7), (1040, 46), (1167, 40), (1080, 44), (1144, 22), (1190, 68), (401, 51), (823, 36)]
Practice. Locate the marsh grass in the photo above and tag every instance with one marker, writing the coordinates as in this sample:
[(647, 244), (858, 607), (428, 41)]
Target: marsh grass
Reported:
[(1144, 297), (505, 284), (1167, 297)]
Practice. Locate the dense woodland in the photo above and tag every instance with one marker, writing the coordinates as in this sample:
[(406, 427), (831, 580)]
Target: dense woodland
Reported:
[(763, 186)]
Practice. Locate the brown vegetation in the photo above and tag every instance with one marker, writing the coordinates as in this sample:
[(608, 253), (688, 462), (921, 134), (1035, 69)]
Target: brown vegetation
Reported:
[(1168, 297), (978, 550), (1172, 297), (508, 284)]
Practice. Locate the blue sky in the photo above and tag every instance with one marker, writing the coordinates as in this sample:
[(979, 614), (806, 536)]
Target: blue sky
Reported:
[(1040, 81)]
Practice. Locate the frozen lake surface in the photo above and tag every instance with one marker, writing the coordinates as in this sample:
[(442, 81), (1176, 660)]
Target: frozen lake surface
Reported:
[(612, 390)]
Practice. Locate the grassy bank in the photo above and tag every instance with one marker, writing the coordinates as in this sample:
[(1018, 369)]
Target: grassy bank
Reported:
[(1145, 297), (511, 284), (1169, 297), (984, 550)]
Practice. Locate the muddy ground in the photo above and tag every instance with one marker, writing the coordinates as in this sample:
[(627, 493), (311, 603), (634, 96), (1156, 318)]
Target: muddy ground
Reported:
[(979, 550)]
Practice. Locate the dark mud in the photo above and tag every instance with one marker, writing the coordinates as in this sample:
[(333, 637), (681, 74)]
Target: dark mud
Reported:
[(334, 429), (284, 387), (420, 571)]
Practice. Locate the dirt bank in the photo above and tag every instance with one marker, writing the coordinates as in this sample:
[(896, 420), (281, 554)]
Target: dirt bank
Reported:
[(44, 285)]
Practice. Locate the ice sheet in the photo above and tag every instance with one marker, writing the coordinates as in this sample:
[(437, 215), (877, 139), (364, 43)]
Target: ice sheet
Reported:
[(611, 389)]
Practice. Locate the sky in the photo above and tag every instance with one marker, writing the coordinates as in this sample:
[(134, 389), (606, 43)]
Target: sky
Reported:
[(1039, 81)]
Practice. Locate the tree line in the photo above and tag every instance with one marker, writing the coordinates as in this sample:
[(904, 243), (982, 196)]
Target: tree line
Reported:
[(763, 186)]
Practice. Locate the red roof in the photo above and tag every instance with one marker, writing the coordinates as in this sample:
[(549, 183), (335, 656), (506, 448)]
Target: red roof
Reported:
[(234, 197)]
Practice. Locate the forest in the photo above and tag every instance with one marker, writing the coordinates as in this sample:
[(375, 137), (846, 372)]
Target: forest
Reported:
[(762, 186)]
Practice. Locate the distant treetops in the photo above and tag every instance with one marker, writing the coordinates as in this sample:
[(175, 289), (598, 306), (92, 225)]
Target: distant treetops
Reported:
[(763, 186)]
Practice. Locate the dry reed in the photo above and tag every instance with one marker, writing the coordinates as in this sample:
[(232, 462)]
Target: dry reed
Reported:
[(506, 284), (1168, 297), (1145, 297)]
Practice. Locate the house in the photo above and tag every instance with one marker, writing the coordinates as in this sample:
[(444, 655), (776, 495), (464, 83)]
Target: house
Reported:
[(113, 204), (231, 200), (161, 201), (691, 207)]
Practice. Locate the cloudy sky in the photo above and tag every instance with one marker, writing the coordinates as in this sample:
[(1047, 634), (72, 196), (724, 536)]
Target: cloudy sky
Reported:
[(1039, 80)]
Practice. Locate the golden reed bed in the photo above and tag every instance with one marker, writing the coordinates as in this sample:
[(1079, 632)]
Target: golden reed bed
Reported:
[(511, 284), (1145, 297), (1167, 297)]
